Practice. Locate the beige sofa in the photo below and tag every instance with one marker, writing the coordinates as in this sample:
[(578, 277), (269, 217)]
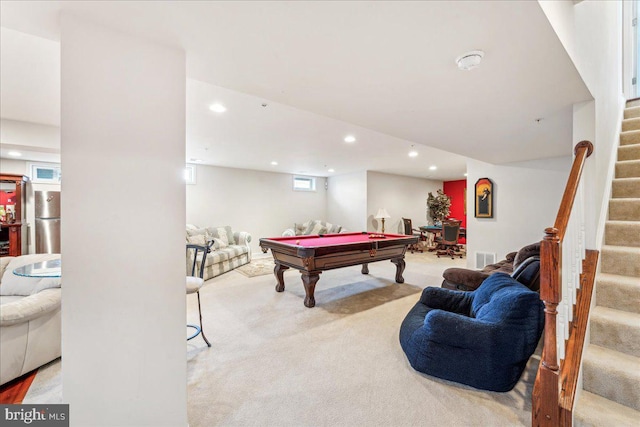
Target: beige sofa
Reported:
[(229, 249), (315, 226), (30, 324)]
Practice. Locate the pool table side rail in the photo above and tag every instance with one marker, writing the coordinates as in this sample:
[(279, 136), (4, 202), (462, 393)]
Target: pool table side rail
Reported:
[(321, 258)]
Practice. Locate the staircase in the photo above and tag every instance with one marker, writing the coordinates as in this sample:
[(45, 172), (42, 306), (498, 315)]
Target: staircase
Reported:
[(611, 364)]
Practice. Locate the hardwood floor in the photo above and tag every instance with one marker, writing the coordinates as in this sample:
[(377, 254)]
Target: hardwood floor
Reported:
[(14, 391)]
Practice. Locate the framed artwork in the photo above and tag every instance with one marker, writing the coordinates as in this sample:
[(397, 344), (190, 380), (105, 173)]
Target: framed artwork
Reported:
[(484, 198)]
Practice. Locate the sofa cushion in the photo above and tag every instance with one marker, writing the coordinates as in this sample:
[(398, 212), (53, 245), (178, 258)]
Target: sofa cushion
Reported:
[(198, 239), (224, 254), (497, 298), (222, 236), (316, 227), (526, 252), (191, 232), (11, 284), (300, 228)]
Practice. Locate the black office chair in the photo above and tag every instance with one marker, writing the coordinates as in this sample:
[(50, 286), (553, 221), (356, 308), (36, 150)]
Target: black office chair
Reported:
[(409, 230), (450, 235), (195, 282)]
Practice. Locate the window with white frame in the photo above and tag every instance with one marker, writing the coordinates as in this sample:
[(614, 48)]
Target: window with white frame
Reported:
[(190, 174), (45, 173), (304, 183)]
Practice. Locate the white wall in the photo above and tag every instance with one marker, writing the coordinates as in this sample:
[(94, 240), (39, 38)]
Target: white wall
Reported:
[(123, 147), (401, 196), (591, 32), (261, 203), (16, 133), (526, 197), (347, 201), (21, 167)]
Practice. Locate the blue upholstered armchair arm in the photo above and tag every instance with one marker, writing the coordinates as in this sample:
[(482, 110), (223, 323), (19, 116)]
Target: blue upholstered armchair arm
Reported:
[(459, 331), (445, 299)]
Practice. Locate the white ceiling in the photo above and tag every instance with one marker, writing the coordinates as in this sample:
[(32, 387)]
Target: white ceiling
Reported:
[(383, 71)]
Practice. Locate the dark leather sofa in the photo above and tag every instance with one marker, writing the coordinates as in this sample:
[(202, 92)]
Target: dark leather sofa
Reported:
[(523, 265)]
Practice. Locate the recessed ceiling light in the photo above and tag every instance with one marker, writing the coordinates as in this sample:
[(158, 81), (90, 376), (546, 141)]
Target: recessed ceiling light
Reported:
[(432, 168), (465, 174), (274, 163), (332, 170), (470, 60), (217, 108), (14, 153), (349, 138), (413, 154)]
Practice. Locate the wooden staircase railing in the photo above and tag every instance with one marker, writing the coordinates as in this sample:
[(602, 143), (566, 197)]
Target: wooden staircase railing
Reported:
[(567, 272)]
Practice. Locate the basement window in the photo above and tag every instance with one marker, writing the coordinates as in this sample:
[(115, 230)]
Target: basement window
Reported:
[(190, 174), (45, 173), (304, 183)]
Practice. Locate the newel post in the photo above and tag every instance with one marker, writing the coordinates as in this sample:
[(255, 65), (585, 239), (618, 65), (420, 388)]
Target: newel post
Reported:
[(548, 412)]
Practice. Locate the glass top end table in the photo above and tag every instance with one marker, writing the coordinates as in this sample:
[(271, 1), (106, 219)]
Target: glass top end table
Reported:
[(50, 268)]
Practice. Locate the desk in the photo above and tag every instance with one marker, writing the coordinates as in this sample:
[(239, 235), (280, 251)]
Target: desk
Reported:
[(50, 268), (316, 253)]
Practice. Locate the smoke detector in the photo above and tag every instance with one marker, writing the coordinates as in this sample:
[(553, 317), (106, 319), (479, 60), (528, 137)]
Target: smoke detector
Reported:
[(469, 60)]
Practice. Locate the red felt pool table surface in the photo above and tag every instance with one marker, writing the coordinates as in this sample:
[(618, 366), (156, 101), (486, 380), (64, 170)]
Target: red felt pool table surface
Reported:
[(312, 255), (335, 239)]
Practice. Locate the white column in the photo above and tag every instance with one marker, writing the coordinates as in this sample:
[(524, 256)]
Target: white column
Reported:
[(123, 210)]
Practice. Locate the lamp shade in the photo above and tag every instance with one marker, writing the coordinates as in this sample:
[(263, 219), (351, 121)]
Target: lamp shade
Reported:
[(382, 213)]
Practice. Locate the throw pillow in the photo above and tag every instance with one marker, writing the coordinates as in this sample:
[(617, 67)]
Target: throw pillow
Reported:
[(300, 228), (198, 239), (335, 229), (11, 284), (315, 228), (198, 231), (220, 242), (222, 236)]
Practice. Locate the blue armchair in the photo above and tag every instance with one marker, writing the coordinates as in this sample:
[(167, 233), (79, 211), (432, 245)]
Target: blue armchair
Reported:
[(482, 338)]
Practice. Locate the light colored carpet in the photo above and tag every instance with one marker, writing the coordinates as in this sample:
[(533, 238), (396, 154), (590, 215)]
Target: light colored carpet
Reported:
[(275, 362)]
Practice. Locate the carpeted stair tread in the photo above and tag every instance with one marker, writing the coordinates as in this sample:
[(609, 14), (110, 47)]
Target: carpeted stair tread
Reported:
[(629, 152), (626, 187), (616, 329), (628, 169), (633, 103), (595, 411), (631, 124), (621, 260), (613, 375), (630, 137), (624, 209), (631, 112), (622, 233), (618, 292)]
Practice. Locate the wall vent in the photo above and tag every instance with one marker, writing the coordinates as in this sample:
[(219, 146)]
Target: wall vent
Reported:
[(485, 258)]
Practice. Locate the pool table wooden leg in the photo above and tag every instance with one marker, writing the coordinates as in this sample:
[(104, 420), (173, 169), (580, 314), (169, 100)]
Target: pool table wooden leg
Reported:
[(400, 264), (309, 281), (278, 270), (365, 268)]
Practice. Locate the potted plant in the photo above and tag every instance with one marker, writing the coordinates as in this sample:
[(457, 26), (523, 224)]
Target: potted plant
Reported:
[(438, 207)]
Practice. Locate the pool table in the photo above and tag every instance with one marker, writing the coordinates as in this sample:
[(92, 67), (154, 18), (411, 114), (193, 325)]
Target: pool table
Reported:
[(314, 254)]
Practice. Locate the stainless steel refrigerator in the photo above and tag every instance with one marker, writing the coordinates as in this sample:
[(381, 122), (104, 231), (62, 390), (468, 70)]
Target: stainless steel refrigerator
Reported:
[(47, 213)]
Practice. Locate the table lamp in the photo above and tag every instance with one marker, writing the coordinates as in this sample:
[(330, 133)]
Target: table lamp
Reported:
[(382, 214)]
